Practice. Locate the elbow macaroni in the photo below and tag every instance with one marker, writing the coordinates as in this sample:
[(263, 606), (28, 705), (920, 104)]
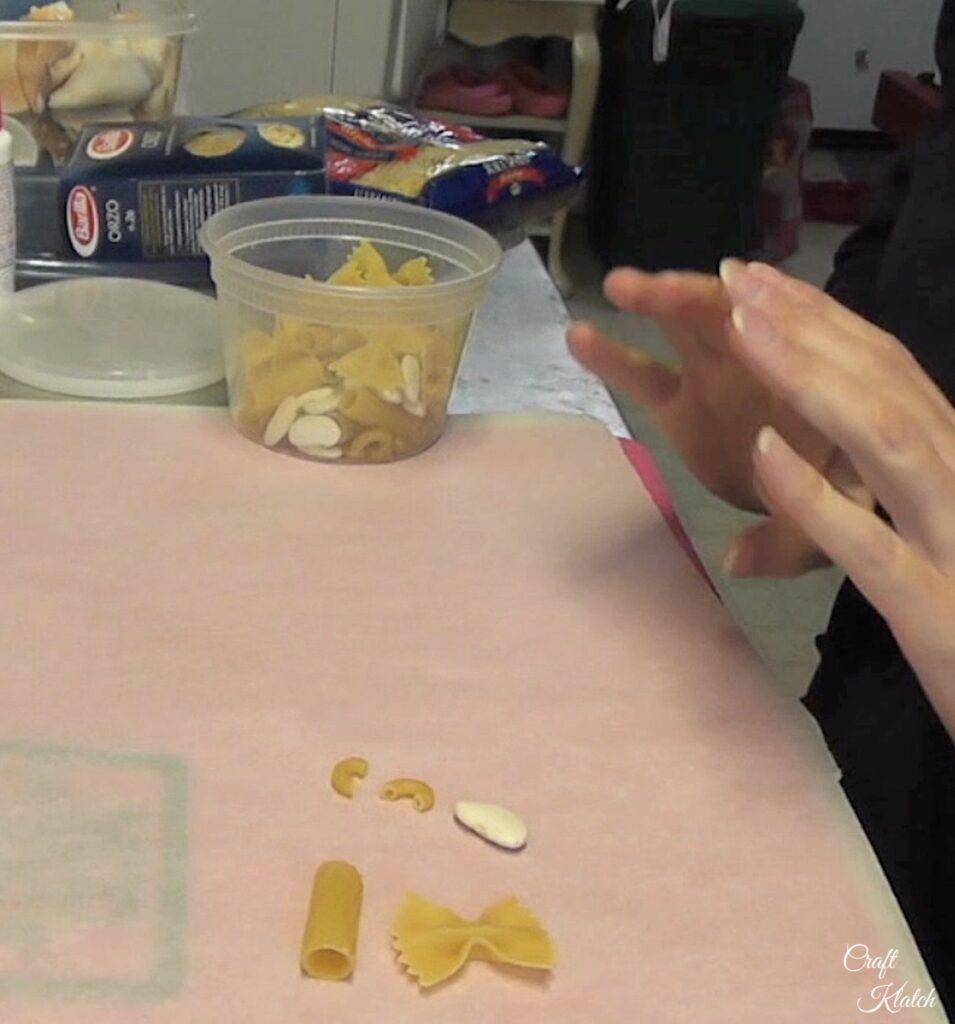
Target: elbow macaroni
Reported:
[(420, 793), (344, 774)]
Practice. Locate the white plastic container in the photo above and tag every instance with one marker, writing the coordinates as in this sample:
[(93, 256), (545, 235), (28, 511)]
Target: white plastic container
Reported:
[(111, 61), (334, 372)]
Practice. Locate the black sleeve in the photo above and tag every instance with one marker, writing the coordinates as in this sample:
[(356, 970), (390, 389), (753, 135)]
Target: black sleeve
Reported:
[(858, 261)]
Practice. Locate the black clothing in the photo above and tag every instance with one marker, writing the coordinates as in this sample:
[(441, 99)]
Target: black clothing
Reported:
[(898, 762)]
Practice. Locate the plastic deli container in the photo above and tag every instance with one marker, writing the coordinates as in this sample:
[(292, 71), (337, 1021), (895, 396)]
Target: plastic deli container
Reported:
[(74, 62), (350, 372)]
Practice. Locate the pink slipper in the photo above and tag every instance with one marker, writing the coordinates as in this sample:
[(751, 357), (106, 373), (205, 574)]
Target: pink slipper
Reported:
[(465, 91), (532, 93)]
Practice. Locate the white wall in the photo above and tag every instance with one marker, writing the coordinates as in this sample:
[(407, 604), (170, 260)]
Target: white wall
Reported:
[(380, 45), (897, 33), (251, 51)]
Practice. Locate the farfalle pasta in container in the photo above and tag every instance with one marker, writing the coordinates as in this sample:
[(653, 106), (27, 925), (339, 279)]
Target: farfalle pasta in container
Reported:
[(70, 63), (344, 321)]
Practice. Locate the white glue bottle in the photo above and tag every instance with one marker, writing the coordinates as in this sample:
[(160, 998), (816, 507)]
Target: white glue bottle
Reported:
[(8, 222)]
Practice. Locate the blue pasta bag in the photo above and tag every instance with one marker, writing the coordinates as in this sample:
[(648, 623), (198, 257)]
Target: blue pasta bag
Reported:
[(502, 184)]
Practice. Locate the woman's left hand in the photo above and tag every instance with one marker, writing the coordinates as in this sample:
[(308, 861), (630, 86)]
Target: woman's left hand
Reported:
[(861, 388)]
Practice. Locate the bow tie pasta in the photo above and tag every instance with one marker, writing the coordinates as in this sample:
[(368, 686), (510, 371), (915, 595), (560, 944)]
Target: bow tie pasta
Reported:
[(434, 943), (348, 394)]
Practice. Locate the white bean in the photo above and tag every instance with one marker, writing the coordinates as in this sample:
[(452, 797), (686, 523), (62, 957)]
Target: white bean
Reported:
[(319, 452), (318, 401), (315, 432), (411, 371), (496, 824), (282, 419)]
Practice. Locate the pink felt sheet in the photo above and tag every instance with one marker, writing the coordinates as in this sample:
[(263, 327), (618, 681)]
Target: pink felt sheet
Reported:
[(506, 616)]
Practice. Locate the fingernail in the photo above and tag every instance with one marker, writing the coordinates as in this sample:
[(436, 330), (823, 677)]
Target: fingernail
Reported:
[(753, 325), (765, 440), (740, 283)]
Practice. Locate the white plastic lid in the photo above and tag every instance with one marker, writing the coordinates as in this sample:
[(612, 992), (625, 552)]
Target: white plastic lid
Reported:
[(110, 337)]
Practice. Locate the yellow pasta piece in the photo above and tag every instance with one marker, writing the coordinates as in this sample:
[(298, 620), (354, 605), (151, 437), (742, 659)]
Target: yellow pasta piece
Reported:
[(330, 941), (366, 266), (373, 365), (375, 445), (255, 348), (294, 335), (434, 943), (413, 341), (344, 774), (372, 265), (368, 410), (420, 793), (272, 381), (415, 272), (348, 274)]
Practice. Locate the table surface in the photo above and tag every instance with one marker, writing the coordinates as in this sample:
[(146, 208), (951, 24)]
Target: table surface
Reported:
[(516, 357)]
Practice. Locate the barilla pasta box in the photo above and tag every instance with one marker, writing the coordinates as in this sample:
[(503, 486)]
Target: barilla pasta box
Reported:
[(141, 191)]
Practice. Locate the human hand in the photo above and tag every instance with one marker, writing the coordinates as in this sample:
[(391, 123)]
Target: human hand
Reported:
[(860, 388), (711, 408)]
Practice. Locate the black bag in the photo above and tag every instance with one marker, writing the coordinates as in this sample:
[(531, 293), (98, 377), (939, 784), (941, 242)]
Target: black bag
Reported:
[(680, 144)]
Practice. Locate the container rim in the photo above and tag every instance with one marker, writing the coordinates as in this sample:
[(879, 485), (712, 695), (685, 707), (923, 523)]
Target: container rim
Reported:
[(220, 250), (178, 20)]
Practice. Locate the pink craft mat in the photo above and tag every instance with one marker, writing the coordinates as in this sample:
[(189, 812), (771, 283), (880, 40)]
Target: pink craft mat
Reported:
[(194, 630)]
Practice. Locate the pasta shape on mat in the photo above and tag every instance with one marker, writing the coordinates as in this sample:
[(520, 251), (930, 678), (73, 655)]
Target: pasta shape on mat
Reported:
[(344, 774), (434, 943), (420, 793), (330, 941)]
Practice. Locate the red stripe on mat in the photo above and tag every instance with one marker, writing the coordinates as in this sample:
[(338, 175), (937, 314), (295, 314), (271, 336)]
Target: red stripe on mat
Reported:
[(641, 459)]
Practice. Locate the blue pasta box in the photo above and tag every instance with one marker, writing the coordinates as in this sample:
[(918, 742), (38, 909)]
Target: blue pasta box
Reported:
[(141, 191)]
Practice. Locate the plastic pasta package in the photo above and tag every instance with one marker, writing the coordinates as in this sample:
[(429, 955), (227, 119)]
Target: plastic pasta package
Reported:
[(381, 151), (434, 943)]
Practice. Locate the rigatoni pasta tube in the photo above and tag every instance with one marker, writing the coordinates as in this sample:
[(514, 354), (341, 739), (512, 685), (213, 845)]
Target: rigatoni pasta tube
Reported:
[(330, 941)]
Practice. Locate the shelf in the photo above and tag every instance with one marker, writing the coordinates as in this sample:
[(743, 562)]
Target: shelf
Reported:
[(508, 122)]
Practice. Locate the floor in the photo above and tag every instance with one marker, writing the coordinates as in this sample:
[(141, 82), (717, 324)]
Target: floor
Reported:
[(781, 618)]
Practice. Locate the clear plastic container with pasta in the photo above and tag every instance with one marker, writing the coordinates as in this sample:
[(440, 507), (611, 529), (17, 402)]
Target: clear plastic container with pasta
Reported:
[(344, 321)]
